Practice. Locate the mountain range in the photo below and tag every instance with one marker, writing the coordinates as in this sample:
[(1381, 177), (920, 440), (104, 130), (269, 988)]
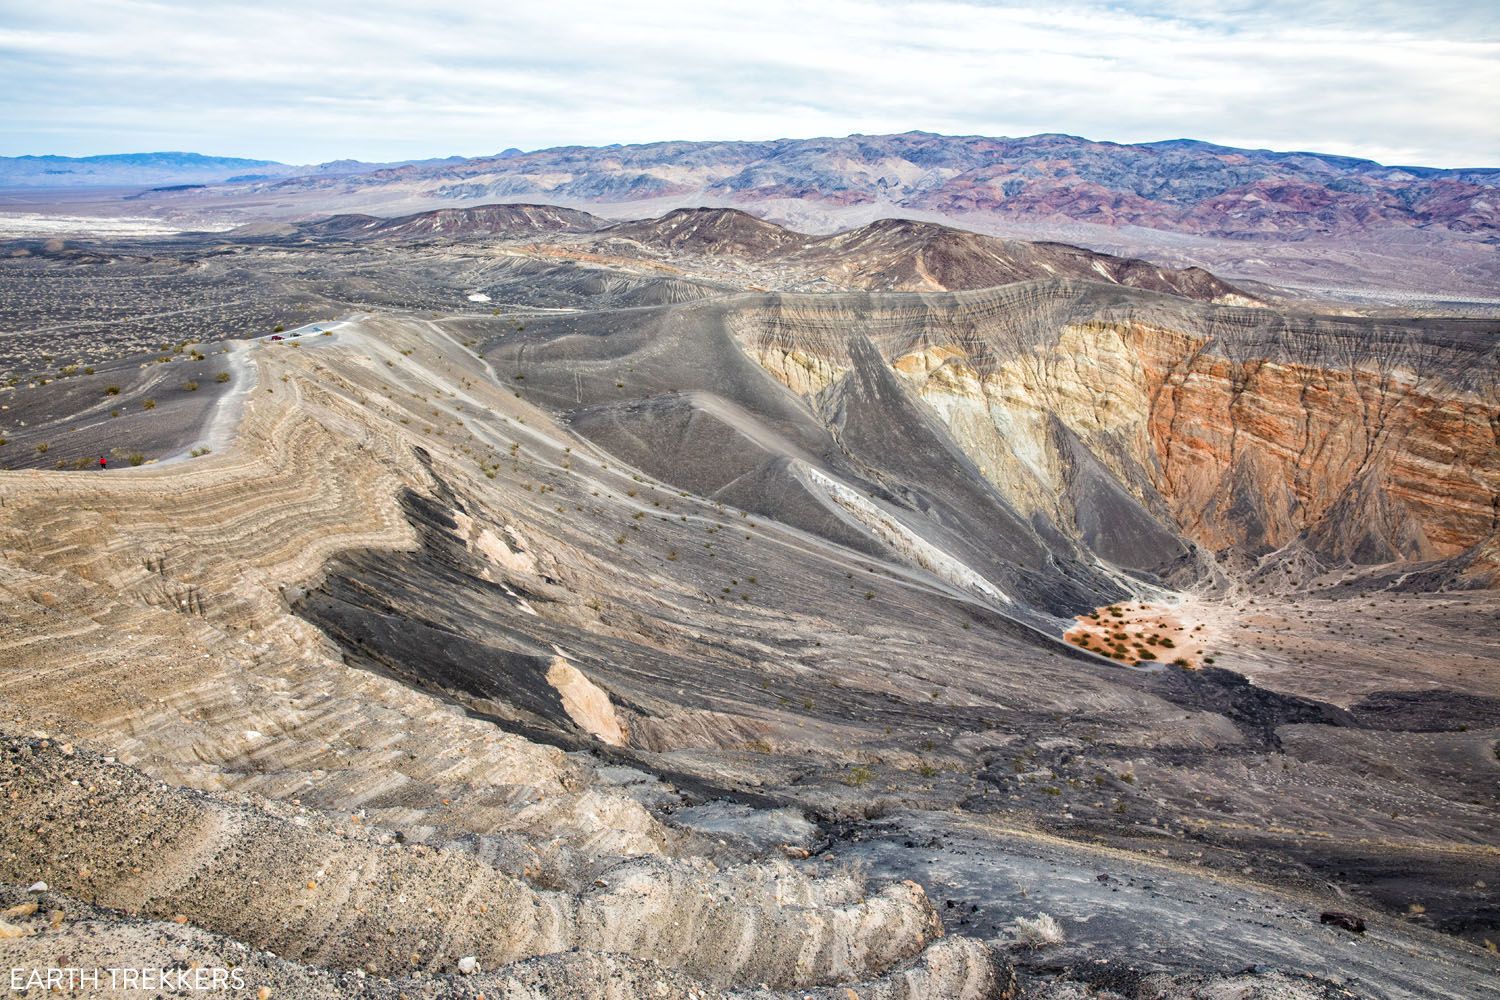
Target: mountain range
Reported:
[(1288, 217), (1181, 185), (167, 169)]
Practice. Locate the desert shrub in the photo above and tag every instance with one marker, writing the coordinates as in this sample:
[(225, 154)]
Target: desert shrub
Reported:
[(41, 449), (222, 377), (111, 390), (149, 404), (1038, 932), (278, 328), (858, 777), (136, 458), (190, 386)]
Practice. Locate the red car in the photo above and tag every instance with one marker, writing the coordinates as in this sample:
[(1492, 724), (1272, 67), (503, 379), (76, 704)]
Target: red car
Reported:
[(277, 336)]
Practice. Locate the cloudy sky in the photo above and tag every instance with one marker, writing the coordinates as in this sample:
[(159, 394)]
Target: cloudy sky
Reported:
[(1404, 81)]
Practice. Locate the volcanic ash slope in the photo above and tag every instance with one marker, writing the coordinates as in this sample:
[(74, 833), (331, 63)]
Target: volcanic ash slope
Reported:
[(208, 758)]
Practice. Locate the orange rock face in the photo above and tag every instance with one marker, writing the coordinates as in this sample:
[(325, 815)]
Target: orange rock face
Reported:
[(1136, 424), (1379, 464)]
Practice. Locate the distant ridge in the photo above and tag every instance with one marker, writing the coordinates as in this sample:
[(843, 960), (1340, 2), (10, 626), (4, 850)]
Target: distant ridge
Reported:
[(907, 255), (1180, 185), (167, 170), (505, 221), (1336, 223), (123, 169), (886, 255)]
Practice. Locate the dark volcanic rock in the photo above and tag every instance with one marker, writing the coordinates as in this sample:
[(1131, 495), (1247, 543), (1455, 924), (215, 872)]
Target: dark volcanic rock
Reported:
[(1346, 921)]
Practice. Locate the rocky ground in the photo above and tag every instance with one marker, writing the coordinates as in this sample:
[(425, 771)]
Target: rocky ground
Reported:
[(708, 649)]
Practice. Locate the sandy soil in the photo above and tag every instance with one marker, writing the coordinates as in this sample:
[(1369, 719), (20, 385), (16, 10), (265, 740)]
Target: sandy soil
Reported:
[(1134, 633)]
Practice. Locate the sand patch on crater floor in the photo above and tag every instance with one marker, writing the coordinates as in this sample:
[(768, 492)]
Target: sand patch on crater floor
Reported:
[(1135, 632)]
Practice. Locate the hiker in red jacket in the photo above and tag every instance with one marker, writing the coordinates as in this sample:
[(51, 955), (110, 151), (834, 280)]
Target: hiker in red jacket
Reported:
[(103, 463)]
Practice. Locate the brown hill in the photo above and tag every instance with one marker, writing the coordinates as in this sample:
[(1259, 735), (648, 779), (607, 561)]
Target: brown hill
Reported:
[(900, 255), (502, 221), (719, 231)]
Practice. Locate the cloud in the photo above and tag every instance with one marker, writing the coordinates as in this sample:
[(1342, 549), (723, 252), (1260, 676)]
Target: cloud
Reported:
[(1411, 83)]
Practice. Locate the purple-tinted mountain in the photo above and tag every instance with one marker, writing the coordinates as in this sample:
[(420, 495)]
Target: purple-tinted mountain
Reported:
[(1180, 185), (1338, 227)]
